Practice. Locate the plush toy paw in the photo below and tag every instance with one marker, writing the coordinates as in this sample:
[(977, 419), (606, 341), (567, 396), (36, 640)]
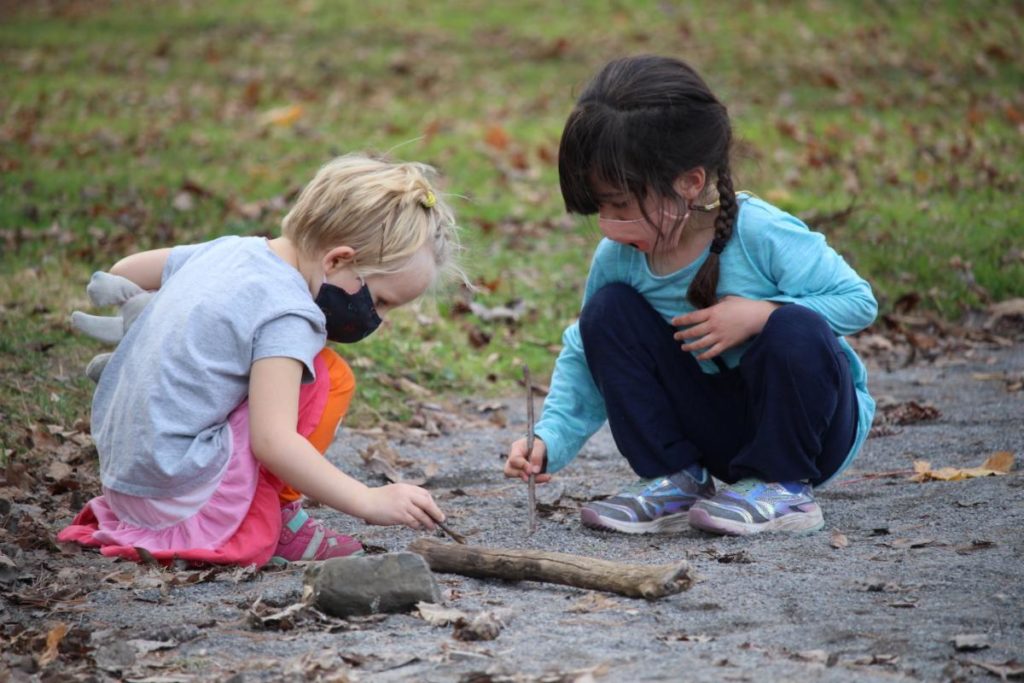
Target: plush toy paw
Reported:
[(109, 290)]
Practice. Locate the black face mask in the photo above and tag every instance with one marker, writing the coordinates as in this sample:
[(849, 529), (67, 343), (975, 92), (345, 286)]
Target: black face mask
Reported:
[(350, 317)]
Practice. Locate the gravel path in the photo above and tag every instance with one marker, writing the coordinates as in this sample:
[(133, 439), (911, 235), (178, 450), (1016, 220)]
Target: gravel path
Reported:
[(923, 564)]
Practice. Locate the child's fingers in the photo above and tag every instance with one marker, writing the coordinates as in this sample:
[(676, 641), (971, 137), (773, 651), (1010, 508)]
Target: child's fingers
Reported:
[(694, 332), (537, 465), (425, 521), (516, 461), (514, 466), (712, 352), (432, 510), (699, 344), (417, 517), (691, 318)]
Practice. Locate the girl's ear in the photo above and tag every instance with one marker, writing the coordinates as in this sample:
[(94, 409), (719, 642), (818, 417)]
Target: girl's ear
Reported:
[(337, 258), (691, 183)]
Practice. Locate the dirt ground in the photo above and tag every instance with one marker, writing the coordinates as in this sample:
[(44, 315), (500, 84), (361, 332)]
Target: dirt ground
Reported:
[(908, 581)]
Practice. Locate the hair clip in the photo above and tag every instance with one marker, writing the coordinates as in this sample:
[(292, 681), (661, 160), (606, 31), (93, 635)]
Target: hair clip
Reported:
[(429, 200)]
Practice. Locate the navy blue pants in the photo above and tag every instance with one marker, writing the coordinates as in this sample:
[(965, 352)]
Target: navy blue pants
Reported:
[(788, 412)]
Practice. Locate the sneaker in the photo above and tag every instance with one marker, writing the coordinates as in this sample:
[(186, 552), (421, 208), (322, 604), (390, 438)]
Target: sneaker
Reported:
[(304, 538), (649, 506), (751, 506)]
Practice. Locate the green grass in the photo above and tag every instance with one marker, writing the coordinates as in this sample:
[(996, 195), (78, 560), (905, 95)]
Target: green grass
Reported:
[(914, 113)]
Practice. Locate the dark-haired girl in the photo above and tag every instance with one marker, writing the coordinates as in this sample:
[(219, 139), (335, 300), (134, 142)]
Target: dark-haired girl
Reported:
[(711, 331)]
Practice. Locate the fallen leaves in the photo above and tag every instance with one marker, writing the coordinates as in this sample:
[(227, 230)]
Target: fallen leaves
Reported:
[(998, 463), (890, 413), (1012, 381), (382, 459), (466, 626)]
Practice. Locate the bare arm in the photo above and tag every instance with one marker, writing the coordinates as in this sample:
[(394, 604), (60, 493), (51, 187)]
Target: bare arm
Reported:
[(144, 268), (273, 414)]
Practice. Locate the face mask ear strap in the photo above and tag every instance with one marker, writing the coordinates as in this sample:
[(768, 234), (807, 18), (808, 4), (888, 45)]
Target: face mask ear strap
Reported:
[(616, 220), (705, 208)]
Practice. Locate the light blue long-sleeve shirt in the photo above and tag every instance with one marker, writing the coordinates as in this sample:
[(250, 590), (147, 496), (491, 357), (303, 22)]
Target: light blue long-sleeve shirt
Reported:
[(772, 256)]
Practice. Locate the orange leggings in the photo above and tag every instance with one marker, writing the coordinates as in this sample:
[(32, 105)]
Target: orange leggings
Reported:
[(322, 405)]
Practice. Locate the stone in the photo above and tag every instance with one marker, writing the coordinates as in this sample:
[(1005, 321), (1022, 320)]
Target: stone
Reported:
[(371, 584)]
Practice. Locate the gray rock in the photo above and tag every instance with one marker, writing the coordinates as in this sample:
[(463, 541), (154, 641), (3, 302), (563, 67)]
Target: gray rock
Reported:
[(371, 584)]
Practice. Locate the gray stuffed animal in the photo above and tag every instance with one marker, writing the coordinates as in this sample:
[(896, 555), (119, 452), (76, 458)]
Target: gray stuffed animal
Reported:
[(105, 289)]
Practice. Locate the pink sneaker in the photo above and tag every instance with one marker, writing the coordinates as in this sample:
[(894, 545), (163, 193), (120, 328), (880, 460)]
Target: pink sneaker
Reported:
[(304, 538)]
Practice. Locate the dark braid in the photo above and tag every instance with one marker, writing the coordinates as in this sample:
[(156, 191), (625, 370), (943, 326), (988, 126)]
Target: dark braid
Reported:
[(703, 290)]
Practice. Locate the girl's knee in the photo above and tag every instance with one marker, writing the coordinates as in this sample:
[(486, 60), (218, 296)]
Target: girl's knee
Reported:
[(609, 308), (795, 331)]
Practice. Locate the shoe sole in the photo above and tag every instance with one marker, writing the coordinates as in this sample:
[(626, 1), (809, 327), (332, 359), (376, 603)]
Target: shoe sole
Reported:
[(803, 523), (668, 523)]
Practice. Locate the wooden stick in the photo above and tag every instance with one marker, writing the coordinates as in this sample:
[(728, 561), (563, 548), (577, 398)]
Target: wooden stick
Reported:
[(632, 580), (454, 535), (532, 484)]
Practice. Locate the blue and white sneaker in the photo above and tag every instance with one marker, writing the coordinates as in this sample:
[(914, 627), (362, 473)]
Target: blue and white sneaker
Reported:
[(751, 506), (649, 506)]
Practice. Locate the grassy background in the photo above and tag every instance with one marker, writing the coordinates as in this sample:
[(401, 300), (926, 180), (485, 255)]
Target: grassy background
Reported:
[(129, 125)]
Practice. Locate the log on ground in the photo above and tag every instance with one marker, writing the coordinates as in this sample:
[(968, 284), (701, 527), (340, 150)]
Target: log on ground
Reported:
[(632, 580)]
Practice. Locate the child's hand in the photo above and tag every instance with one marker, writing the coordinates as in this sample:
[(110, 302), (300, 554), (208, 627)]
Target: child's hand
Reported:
[(731, 321), (516, 465), (402, 504)]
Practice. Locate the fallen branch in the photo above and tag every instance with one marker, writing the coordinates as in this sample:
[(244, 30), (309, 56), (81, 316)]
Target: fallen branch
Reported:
[(632, 580)]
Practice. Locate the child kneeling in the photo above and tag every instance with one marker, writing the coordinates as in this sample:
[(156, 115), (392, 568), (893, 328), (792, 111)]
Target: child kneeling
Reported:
[(212, 414)]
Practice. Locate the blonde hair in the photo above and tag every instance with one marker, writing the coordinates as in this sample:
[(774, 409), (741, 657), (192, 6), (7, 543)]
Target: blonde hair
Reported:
[(386, 211)]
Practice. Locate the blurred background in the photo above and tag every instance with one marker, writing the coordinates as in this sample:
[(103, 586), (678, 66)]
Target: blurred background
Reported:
[(896, 128)]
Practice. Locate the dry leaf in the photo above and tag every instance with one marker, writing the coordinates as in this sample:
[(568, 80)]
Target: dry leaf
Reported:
[(1009, 668), (378, 465), (904, 543), (975, 546), (690, 637), (1000, 461), (815, 656), (438, 615), (53, 639), (483, 626), (407, 386), (970, 642), (839, 539), (996, 464), (283, 116), (496, 137)]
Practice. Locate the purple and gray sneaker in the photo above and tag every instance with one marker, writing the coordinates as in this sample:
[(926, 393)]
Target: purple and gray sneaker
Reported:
[(751, 506), (649, 506)]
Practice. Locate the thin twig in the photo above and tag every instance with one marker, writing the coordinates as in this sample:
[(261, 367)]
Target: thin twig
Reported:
[(532, 485), (454, 535), (877, 475)]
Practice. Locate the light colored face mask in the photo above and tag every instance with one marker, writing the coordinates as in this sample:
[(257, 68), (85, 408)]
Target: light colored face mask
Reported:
[(637, 232)]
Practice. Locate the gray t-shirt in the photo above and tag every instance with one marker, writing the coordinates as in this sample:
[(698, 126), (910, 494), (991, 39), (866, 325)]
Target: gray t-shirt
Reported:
[(159, 414)]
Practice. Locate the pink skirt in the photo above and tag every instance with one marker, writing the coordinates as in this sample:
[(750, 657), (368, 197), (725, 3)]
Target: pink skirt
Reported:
[(239, 524)]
